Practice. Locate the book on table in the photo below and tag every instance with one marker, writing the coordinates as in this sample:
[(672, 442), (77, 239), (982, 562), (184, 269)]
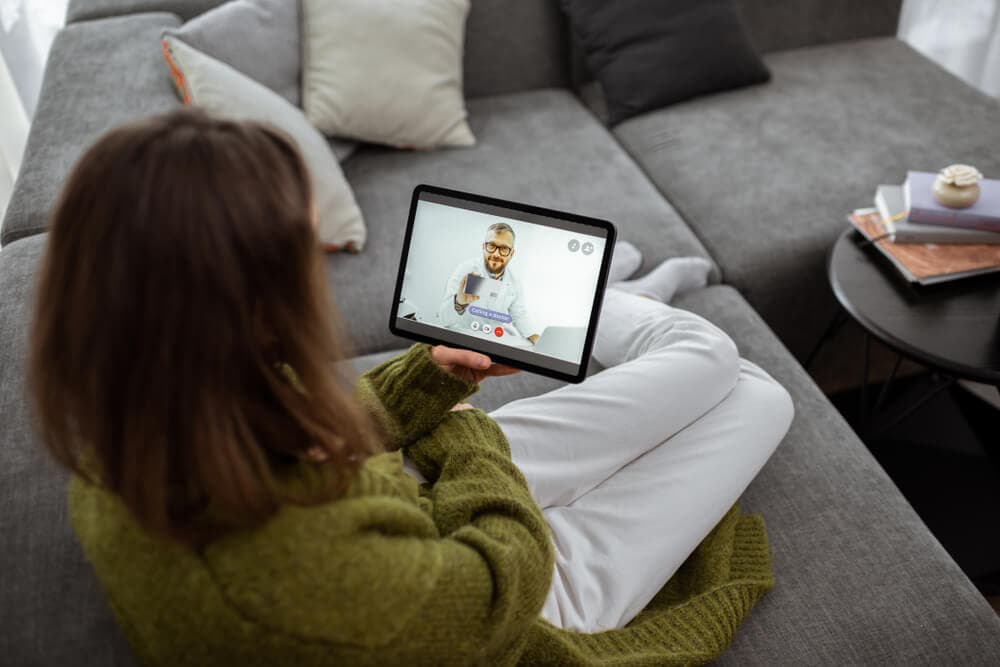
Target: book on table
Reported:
[(918, 199), (927, 263), (891, 204)]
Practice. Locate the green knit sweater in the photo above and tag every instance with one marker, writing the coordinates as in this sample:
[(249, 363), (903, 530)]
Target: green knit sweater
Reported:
[(454, 572)]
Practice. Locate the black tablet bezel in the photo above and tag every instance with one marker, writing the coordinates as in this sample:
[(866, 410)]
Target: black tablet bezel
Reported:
[(595, 312)]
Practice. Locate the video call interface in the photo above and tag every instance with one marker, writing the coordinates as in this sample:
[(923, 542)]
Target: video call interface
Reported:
[(512, 279)]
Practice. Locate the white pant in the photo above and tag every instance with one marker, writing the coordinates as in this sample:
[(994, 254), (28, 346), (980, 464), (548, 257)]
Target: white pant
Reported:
[(634, 466)]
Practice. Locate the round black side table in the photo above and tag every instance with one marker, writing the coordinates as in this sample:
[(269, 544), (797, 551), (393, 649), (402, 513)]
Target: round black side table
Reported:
[(952, 328)]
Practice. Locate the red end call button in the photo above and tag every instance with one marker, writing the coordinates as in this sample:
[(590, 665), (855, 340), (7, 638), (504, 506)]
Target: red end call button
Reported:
[(497, 331)]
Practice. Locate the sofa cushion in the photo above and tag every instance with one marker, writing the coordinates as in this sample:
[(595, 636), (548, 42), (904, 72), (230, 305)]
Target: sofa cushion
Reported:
[(765, 175), (52, 610), (539, 147), (860, 579), (100, 74)]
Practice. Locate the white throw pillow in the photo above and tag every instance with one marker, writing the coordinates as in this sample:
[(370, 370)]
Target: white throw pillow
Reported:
[(221, 90), (386, 71)]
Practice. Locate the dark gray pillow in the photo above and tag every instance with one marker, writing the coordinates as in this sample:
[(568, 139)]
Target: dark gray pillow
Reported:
[(648, 54), (259, 38)]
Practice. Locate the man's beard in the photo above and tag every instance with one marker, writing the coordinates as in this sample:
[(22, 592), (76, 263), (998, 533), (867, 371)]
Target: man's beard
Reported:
[(497, 272)]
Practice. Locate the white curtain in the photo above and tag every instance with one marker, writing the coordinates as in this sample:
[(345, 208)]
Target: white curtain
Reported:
[(962, 35), (13, 132), (27, 28)]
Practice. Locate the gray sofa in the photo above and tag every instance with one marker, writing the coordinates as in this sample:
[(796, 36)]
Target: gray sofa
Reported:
[(757, 180)]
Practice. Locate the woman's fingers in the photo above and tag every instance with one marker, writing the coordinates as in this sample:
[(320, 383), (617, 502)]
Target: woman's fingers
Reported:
[(468, 365), (448, 356), (497, 370)]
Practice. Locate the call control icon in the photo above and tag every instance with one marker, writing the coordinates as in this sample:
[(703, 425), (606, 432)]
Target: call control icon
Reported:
[(587, 248), (474, 326), (498, 332), (487, 328), (574, 245)]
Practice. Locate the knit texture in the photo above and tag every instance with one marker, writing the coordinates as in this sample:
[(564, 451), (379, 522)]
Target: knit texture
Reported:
[(454, 572)]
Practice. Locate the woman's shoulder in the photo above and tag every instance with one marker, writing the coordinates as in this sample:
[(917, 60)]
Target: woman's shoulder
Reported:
[(381, 489)]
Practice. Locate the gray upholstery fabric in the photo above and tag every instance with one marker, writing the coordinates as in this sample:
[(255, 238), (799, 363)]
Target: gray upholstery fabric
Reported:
[(236, 33), (777, 25), (539, 147), (52, 610), (87, 10), (99, 74), (765, 175), (514, 46), (860, 580), (509, 46)]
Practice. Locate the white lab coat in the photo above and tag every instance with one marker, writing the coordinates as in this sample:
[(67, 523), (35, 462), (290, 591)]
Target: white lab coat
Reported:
[(508, 299)]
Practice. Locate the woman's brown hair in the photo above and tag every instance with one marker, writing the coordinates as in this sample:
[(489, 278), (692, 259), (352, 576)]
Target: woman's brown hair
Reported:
[(181, 281)]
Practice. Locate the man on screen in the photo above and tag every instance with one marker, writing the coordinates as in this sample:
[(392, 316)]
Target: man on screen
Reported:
[(496, 304)]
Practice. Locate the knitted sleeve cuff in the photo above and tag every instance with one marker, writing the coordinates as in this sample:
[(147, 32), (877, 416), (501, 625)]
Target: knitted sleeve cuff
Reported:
[(410, 394), (461, 432)]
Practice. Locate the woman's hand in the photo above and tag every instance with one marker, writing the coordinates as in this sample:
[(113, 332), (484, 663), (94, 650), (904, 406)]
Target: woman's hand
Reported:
[(468, 365)]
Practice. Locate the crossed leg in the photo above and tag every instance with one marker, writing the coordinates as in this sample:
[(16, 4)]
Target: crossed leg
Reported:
[(634, 466)]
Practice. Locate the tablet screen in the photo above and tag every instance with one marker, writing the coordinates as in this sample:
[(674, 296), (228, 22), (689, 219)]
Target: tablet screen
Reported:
[(515, 283)]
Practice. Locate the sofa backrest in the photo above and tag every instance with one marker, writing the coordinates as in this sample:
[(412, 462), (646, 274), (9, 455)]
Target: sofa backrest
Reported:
[(52, 610), (86, 10), (511, 45), (514, 45), (777, 25)]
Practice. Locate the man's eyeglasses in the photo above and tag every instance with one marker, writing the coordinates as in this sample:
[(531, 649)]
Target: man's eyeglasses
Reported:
[(505, 250)]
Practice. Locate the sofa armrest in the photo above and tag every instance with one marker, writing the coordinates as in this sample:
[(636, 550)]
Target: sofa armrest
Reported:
[(777, 25), (99, 74)]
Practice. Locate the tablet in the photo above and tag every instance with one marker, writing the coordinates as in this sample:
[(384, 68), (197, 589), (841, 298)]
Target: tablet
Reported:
[(519, 283)]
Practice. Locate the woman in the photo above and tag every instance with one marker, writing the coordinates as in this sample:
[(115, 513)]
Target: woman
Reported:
[(241, 505)]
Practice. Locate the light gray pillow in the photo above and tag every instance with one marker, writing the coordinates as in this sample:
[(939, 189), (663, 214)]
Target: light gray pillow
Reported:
[(259, 38), (221, 90), (386, 71)]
